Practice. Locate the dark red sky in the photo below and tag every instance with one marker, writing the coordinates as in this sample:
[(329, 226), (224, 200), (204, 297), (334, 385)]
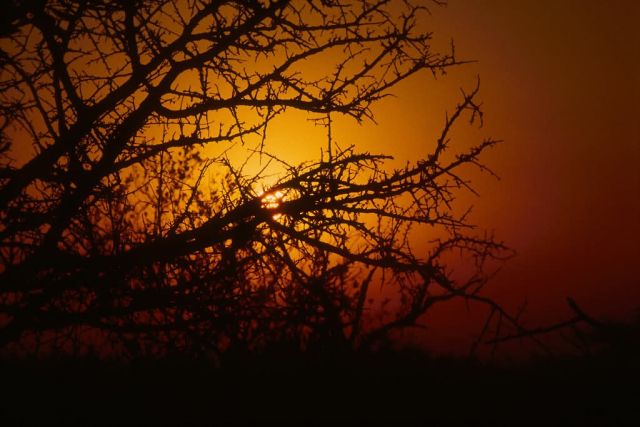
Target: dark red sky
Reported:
[(560, 84)]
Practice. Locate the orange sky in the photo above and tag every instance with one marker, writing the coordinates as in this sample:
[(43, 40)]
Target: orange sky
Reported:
[(561, 85)]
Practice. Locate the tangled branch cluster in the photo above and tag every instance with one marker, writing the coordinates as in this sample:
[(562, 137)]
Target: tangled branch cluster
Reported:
[(108, 238)]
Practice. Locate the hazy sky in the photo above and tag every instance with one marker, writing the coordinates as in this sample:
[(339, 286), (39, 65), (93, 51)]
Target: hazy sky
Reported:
[(560, 84)]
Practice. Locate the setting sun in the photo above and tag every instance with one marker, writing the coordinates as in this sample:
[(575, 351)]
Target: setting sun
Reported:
[(326, 192), (272, 201)]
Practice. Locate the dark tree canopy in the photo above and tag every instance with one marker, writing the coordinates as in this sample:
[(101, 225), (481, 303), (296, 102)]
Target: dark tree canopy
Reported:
[(110, 237)]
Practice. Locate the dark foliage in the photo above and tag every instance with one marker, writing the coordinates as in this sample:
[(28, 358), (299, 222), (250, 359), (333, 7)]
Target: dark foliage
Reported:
[(121, 236), (286, 386), (111, 245), (142, 277)]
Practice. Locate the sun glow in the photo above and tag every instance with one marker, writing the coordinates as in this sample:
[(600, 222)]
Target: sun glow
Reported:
[(272, 201)]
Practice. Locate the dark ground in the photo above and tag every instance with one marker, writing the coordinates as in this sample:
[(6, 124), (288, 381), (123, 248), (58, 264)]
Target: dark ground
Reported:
[(388, 386)]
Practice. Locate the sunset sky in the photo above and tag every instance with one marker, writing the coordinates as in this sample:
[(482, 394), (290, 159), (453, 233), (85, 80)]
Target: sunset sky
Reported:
[(275, 209), (560, 84)]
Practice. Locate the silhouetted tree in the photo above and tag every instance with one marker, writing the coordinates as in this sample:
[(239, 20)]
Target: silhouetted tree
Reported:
[(109, 239)]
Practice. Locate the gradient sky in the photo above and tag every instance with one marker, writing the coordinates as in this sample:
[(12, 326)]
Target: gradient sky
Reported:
[(561, 85)]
